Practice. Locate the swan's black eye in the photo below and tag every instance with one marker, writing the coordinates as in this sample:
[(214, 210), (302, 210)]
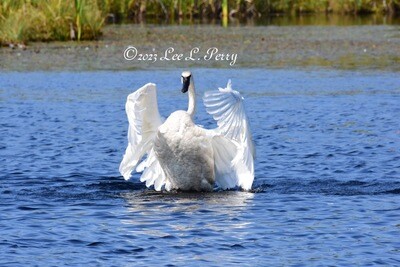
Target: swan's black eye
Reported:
[(185, 84)]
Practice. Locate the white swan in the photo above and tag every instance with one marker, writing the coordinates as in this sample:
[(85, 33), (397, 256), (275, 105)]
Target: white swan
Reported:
[(182, 155)]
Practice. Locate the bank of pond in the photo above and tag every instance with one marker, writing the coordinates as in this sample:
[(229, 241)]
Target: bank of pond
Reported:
[(22, 21)]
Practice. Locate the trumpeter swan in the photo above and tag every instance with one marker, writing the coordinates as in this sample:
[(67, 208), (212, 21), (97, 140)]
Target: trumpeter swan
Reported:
[(182, 155)]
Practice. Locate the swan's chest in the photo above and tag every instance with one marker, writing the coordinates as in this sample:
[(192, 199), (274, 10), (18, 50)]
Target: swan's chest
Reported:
[(185, 152), (180, 134)]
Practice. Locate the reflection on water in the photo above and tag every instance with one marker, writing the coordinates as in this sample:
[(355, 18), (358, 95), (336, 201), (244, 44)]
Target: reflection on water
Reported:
[(178, 207), (190, 222), (286, 20), (226, 202)]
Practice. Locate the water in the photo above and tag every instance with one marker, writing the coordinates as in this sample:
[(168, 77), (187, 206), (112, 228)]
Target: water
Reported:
[(311, 19), (327, 173)]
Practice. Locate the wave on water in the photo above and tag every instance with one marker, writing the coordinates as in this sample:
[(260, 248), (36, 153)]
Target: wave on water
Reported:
[(81, 186), (330, 187)]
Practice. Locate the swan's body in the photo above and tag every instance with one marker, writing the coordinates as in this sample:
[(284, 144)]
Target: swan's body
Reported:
[(185, 152), (182, 155)]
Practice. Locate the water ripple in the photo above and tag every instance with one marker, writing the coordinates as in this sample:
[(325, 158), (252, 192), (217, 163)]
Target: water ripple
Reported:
[(327, 174)]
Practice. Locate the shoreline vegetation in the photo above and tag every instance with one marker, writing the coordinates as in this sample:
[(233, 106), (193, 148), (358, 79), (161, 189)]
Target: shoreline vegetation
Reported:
[(22, 21)]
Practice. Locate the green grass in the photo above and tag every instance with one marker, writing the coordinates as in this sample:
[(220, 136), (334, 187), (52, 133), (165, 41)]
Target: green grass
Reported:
[(47, 20)]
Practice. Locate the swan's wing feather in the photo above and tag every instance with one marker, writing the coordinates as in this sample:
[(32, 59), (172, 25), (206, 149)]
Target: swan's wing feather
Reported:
[(144, 120), (244, 165), (153, 173), (227, 108), (231, 167)]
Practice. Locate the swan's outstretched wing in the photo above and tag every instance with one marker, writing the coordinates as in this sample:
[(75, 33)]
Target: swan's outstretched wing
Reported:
[(227, 108), (231, 169), (144, 120)]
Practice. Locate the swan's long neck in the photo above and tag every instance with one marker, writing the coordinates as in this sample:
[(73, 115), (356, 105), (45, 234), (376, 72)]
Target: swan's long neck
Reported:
[(192, 99)]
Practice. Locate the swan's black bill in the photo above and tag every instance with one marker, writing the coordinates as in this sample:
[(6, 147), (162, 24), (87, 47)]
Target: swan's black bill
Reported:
[(185, 83)]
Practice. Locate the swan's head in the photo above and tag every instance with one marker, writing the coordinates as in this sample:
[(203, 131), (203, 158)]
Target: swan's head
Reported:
[(186, 80)]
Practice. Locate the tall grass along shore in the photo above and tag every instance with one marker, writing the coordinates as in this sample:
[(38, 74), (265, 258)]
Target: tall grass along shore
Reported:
[(47, 20)]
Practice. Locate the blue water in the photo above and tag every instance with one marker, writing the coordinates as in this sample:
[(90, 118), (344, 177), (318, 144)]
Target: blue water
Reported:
[(326, 193)]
